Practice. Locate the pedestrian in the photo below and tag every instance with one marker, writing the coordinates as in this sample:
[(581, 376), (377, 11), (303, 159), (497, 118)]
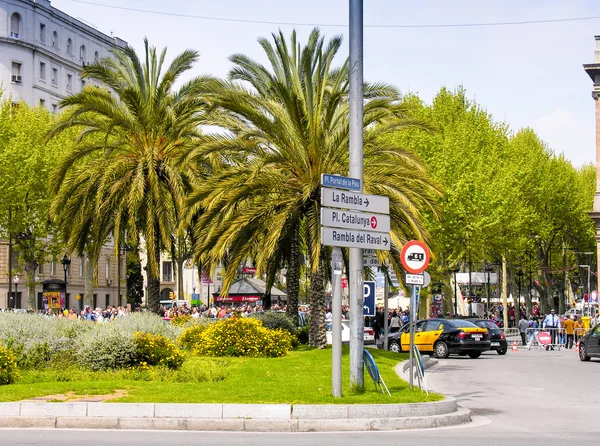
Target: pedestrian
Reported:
[(394, 323), (578, 328), (552, 322), (523, 326), (569, 327)]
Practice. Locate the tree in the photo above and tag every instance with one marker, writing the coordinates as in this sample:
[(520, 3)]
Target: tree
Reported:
[(25, 164), (131, 141), (288, 122)]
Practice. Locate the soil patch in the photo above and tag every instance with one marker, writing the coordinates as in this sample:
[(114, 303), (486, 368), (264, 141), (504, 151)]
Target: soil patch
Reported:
[(74, 398)]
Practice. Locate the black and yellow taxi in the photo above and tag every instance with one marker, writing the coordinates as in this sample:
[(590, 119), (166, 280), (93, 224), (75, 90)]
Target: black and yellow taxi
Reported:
[(442, 337)]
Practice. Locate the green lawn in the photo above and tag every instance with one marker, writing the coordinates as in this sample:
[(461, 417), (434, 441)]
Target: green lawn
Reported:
[(304, 376)]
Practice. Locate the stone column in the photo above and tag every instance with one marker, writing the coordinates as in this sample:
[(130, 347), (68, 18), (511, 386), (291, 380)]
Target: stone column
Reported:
[(593, 70)]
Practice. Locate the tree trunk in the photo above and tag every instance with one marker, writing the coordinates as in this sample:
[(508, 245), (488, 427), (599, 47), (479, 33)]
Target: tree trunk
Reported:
[(293, 278), (31, 297), (154, 279), (90, 267), (317, 336), (504, 292), (267, 301), (180, 279)]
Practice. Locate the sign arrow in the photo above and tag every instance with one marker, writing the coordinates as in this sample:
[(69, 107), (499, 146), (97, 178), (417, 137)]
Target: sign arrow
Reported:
[(385, 241), (367, 202)]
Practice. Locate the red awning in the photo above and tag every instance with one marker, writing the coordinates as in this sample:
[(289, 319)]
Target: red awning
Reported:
[(238, 298)]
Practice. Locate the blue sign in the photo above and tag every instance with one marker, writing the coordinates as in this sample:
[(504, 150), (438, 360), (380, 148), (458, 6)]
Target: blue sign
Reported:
[(340, 182), (369, 294)]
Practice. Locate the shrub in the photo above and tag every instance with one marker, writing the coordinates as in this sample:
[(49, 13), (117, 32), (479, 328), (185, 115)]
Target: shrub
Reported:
[(181, 321), (242, 337), (191, 336), (8, 367), (156, 350), (276, 320), (107, 348), (302, 335)]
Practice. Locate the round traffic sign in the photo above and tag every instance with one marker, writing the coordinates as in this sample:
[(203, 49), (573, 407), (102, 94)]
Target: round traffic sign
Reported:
[(414, 257)]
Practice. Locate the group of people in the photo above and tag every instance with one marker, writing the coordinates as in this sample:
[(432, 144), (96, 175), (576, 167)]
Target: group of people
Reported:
[(89, 314)]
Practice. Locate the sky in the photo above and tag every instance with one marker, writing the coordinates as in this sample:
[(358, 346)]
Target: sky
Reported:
[(525, 75)]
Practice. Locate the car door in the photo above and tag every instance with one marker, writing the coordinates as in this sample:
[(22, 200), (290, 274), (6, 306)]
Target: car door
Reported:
[(593, 345), (419, 335), (433, 330)]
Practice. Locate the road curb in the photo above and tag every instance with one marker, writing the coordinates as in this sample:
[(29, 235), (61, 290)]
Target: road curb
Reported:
[(234, 417)]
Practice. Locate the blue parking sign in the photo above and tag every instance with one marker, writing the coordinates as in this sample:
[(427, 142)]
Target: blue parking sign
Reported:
[(369, 295)]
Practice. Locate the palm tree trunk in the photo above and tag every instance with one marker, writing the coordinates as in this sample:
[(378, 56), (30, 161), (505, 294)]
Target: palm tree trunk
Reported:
[(180, 263), (90, 267), (154, 279), (293, 278), (316, 337)]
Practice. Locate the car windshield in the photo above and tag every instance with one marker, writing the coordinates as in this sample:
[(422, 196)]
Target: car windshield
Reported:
[(461, 324), (487, 324)]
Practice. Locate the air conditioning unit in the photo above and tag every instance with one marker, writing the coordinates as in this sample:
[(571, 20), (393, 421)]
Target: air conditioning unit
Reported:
[(16, 78), (108, 282)]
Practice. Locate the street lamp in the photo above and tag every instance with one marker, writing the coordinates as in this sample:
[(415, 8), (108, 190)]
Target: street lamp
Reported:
[(16, 282), (66, 262), (588, 286), (488, 269), (455, 270)]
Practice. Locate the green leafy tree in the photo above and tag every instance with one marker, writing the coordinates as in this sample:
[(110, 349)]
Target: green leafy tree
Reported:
[(126, 163)]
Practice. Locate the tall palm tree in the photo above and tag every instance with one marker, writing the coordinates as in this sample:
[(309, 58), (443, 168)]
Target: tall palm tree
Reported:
[(291, 125), (133, 133)]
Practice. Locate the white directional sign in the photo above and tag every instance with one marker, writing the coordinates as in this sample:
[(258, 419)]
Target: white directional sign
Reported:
[(347, 238), (343, 199), (355, 220), (414, 279), (371, 261)]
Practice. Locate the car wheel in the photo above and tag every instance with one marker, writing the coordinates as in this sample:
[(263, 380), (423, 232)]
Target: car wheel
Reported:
[(502, 351), (582, 354), (393, 346), (441, 349), (474, 355)]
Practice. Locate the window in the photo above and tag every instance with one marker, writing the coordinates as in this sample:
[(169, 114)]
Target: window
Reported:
[(96, 56), (54, 76), (167, 270), (55, 40), (41, 268), (69, 82), (15, 26), (42, 33), (43, 105), (81, 265), (42, 71), (52, 264), (82, 54), (16, 72), (107, 269), (55, 110), (69, 47)]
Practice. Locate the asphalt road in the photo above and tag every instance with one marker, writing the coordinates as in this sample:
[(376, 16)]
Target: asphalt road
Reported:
[(523, 398)]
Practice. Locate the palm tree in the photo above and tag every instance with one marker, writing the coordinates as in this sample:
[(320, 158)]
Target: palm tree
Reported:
[(291, 126), (131, 138)]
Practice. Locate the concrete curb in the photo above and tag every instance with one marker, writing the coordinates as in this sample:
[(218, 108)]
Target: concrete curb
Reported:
[(233, 417)]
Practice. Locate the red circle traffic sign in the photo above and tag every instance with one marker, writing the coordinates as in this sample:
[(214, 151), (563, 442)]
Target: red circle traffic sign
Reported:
[(414, 257)]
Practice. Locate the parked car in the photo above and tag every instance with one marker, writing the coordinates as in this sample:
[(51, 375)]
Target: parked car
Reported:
[(497, 339), (442, 337), (368, 339), (589, 346)]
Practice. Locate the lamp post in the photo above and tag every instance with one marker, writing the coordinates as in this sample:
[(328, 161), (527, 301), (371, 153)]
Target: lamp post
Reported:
[(488, 270), (16, 282), (588, 287), (456, 270), (66, 262)]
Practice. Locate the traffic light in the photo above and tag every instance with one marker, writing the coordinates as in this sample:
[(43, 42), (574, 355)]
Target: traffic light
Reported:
[(171, 295)]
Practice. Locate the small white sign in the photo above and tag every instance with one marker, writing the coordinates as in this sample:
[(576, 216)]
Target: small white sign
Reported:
[(371, 261), (343, 199), (414, 279)]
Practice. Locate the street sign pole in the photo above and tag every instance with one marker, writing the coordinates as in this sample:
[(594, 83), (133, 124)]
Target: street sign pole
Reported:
[(412, 334), (386, 292), (337, 263), (356, 171)]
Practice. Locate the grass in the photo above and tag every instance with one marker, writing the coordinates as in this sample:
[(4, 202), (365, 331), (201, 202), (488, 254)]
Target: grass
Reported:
[(302, 377)]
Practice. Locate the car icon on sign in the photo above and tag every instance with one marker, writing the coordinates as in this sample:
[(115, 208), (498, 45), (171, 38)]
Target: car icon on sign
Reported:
[(416, 256)]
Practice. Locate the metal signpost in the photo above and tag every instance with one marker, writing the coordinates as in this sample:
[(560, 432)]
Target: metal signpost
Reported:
[(415, 259), (350, 219)]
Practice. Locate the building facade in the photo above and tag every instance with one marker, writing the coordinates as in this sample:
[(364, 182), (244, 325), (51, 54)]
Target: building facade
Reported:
[(42, 53)]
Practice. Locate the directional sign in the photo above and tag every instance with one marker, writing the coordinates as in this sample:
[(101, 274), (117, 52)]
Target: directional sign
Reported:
[(340, 182), (342, 199), (346, 238), (355, 220), (369, 252), (371, 261), (369, 295), (414, 257), (414, 279)]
